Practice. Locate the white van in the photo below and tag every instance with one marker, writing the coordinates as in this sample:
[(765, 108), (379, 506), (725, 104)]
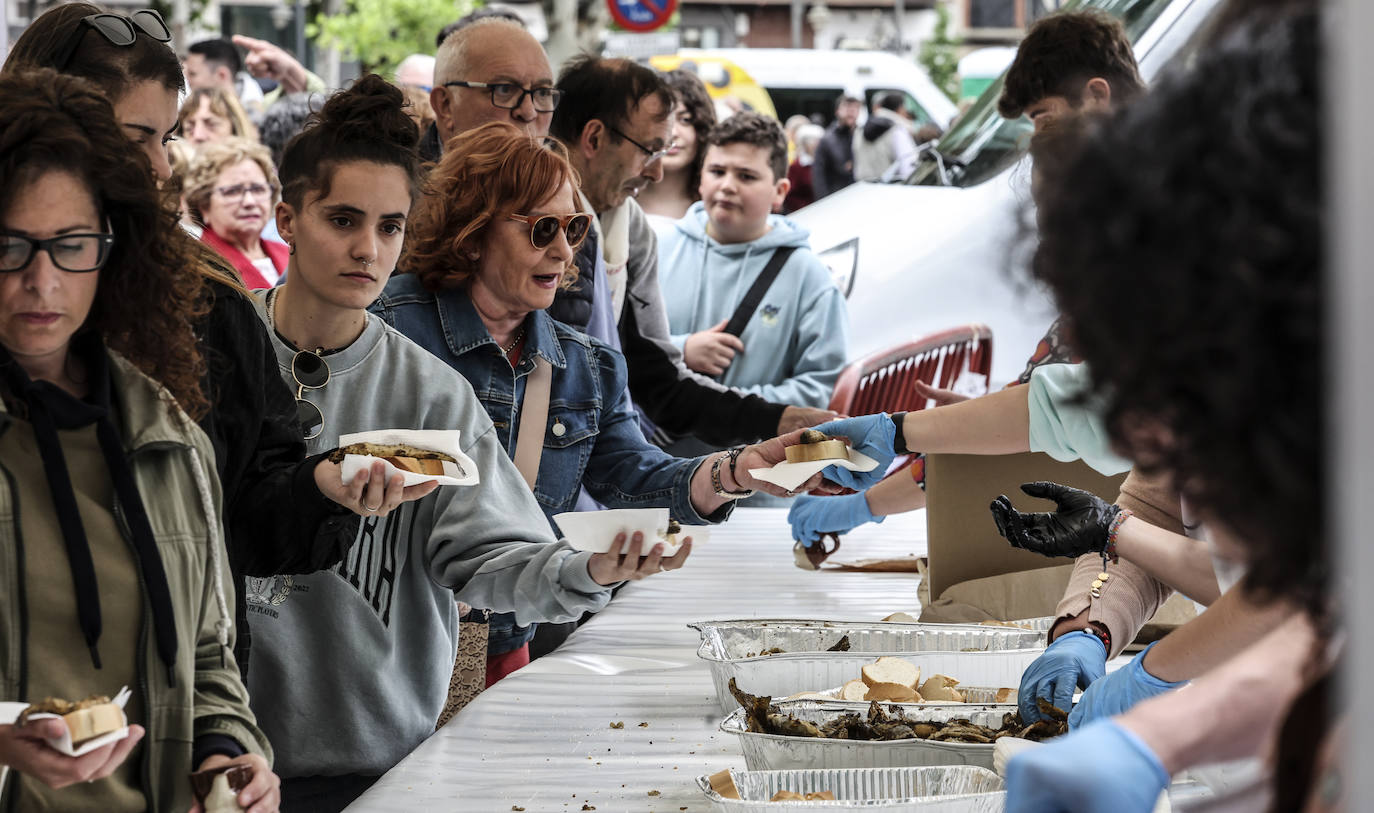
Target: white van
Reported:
[(941, 250), (808, 82)]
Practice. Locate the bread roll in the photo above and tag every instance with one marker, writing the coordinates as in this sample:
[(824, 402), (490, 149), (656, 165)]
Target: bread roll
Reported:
[(723, 784), (892, 693), (854, 690), (892, 670), (941, 687), (824, 450), (89, 723), (410, 464), (905, 618)]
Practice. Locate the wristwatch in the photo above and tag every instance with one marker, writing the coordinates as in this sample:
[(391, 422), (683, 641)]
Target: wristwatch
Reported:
[(899, 439)]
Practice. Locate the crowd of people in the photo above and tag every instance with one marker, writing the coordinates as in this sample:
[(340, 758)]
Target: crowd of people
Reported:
[(204, 287)]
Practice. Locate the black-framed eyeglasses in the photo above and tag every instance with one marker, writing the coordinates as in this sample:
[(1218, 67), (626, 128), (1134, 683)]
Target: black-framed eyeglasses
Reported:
[(543, 228), (117, 30), (509, 96), (311, 372), (651, 155), (238, 190), (77, 253)]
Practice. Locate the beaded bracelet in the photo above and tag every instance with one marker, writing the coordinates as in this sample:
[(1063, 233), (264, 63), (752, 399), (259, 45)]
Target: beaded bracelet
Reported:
[(1122, 515), (716, 484)]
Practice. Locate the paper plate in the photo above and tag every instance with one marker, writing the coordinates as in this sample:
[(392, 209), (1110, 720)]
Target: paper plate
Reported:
[(595, 530), (462, 473)]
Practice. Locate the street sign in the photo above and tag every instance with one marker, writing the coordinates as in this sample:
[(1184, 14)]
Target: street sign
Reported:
[(641, 15)]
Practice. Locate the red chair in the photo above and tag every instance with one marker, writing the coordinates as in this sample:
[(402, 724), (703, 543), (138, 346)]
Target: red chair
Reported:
[(885, 381)]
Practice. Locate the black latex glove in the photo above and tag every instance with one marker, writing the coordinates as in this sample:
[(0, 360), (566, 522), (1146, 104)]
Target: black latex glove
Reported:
[(1078, 527)]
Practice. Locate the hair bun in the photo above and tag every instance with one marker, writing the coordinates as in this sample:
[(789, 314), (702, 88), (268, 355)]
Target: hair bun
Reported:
[(371, 110)]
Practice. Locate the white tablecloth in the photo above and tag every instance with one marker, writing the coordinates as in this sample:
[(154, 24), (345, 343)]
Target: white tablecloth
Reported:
[(542, 740)]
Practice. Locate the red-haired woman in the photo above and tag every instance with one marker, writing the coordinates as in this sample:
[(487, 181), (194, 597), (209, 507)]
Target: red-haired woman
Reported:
[(493, 240)]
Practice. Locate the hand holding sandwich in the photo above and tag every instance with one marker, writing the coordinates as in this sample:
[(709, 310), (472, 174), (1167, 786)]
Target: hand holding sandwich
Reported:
[(262, 794), (370, 494), (25, 749)]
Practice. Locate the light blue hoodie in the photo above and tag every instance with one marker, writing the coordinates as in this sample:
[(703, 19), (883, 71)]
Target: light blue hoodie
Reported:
[(795, 344)]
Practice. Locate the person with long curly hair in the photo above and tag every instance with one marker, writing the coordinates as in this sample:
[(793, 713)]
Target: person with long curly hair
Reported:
[(666, 200), (283, 513), (112, 533), (385, 649), (1188, 278)]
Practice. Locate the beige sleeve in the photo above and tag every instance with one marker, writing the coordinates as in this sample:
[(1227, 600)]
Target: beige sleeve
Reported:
[(1130, 597)]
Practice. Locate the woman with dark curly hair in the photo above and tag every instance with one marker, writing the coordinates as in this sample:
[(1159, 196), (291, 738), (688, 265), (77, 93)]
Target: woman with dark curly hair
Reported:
[(386, 651), (693, 116), (283, 513), (1184, 247), (112, 532), (491, 243)]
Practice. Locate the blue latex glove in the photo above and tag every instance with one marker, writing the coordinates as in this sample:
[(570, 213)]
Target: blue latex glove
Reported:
[(1118, 692), (1074, 660), (870, 434), (813, 516), (1102, 768)]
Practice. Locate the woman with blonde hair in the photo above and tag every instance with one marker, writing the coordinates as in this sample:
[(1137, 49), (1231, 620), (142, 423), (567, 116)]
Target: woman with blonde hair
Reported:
[(210, 115), (230, 191)]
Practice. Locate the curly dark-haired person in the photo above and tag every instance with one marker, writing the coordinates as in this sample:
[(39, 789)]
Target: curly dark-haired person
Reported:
[(113, 570), (276, 501), (1184, 248)]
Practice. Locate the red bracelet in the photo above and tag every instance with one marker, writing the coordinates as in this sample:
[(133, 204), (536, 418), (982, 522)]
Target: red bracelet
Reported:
[(1097, 631)]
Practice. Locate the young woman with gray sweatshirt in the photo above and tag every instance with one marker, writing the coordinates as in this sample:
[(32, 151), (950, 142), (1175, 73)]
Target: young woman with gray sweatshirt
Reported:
[(351, 665)]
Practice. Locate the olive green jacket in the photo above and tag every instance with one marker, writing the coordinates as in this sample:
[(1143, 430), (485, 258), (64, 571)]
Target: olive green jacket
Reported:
[(174, 467)]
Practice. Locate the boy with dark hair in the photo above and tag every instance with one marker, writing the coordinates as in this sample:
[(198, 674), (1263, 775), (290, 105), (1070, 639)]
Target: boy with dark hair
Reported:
[(1067, 62), (793, 342)]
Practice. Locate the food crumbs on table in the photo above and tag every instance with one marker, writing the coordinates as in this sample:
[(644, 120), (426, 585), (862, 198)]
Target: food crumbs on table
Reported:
[(517, 808), (643, 725), (618, 724), (654, 793), (588, 807)]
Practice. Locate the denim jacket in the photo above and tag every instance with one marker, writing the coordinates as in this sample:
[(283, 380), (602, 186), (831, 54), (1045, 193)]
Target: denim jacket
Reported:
[(592, 436)]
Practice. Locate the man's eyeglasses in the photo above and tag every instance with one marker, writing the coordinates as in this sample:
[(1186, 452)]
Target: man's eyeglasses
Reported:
[(509, 96), (652, 155), (543, 228), (237, 191), (78, 253), (117, 30), (311, 373)]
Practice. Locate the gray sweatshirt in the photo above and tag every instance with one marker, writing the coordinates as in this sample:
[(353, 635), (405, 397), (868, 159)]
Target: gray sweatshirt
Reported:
[(351, 665)]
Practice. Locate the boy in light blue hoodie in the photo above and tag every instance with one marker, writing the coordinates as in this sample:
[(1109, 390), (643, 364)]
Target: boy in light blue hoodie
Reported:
[(796, 341)]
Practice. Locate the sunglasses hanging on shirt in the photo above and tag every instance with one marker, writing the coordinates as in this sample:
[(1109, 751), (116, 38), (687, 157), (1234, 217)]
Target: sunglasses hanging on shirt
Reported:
[(311, 372)]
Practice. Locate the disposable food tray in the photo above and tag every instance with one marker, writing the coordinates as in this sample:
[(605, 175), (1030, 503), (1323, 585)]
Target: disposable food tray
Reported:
[(973, 696), (973, 655), (775, 752), (947, 789)]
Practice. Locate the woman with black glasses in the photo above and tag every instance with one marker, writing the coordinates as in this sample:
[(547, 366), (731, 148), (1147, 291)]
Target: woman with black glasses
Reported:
[(112, 570), (283, 513), (376, 638)]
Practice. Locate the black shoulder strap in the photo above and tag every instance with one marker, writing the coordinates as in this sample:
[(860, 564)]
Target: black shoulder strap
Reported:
[(746, 309)]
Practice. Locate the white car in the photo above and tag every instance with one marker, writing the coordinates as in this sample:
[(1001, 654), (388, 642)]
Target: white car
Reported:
[(946, 248)]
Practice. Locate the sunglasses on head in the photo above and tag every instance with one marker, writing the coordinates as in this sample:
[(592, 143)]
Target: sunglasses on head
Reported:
[(117, 30), (544, 228), (311, 373)]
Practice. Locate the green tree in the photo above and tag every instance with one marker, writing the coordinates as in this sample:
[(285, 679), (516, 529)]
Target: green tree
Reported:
[(938, 55), (381, 33)]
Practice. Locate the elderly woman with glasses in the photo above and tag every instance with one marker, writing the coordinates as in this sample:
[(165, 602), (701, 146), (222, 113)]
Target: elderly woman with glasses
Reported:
[(493, 241), (113, 570), (231, 191)]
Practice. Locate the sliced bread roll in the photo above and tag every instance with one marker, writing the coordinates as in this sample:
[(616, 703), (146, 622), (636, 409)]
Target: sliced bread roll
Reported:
[(809, 696), (941, 687), (854, 690), (89, 723), (892, 670), (892, 693), (723, 784), (905, 618), (1005, 695)]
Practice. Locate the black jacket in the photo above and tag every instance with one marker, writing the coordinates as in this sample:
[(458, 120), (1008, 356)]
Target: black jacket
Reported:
[(276, 521), (834, 167)]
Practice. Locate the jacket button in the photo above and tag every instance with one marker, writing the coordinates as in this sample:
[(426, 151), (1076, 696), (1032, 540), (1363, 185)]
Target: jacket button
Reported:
[(558, 429)]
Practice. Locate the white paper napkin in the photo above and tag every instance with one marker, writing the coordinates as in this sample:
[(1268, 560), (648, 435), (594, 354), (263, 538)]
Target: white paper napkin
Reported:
[(595, 530), (462, 473), (790, 475)]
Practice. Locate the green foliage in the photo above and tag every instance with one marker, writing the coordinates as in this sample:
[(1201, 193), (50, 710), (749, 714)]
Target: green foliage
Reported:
[(381, 33), (938, 54)]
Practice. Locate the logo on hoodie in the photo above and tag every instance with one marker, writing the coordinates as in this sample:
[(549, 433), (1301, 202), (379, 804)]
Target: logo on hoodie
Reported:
[(769, 315)]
